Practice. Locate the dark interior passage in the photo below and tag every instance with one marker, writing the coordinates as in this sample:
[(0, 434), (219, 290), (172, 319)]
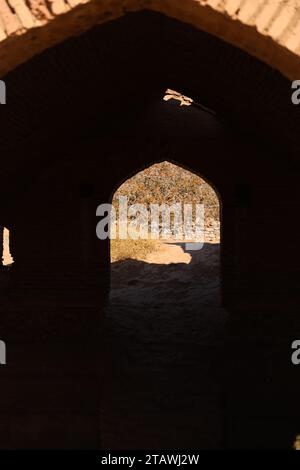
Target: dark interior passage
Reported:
[(167, 335), (166, 327), (63, 156)]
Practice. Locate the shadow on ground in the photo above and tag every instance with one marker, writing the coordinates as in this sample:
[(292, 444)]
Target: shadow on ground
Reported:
[(181, 372), (166, 333)]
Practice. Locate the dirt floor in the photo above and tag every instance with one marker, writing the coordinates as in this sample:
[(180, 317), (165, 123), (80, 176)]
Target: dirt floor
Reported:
[(166, 337)]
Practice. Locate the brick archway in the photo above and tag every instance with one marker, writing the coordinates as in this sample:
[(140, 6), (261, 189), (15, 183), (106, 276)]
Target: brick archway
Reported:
[(267, 30)]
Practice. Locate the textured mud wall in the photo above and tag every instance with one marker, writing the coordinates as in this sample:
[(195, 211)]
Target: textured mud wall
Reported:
[(267, 29), (84, 116)]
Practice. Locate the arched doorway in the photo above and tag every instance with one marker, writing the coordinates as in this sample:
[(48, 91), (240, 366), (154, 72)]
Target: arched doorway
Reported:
[(165, 320), (172, 217)]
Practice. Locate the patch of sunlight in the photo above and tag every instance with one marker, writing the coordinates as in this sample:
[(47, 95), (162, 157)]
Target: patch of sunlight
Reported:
[(297, 442), (7, 258), (174, 95)]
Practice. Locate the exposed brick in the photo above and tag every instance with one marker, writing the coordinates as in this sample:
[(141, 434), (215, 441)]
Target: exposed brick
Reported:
[(255, 25), (58, 6), (23, 12), (9, 18), (40, 10)]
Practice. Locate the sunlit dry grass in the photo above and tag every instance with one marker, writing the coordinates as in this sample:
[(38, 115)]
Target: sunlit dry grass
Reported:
[(166, 183), (162, 183), (132, 249)]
